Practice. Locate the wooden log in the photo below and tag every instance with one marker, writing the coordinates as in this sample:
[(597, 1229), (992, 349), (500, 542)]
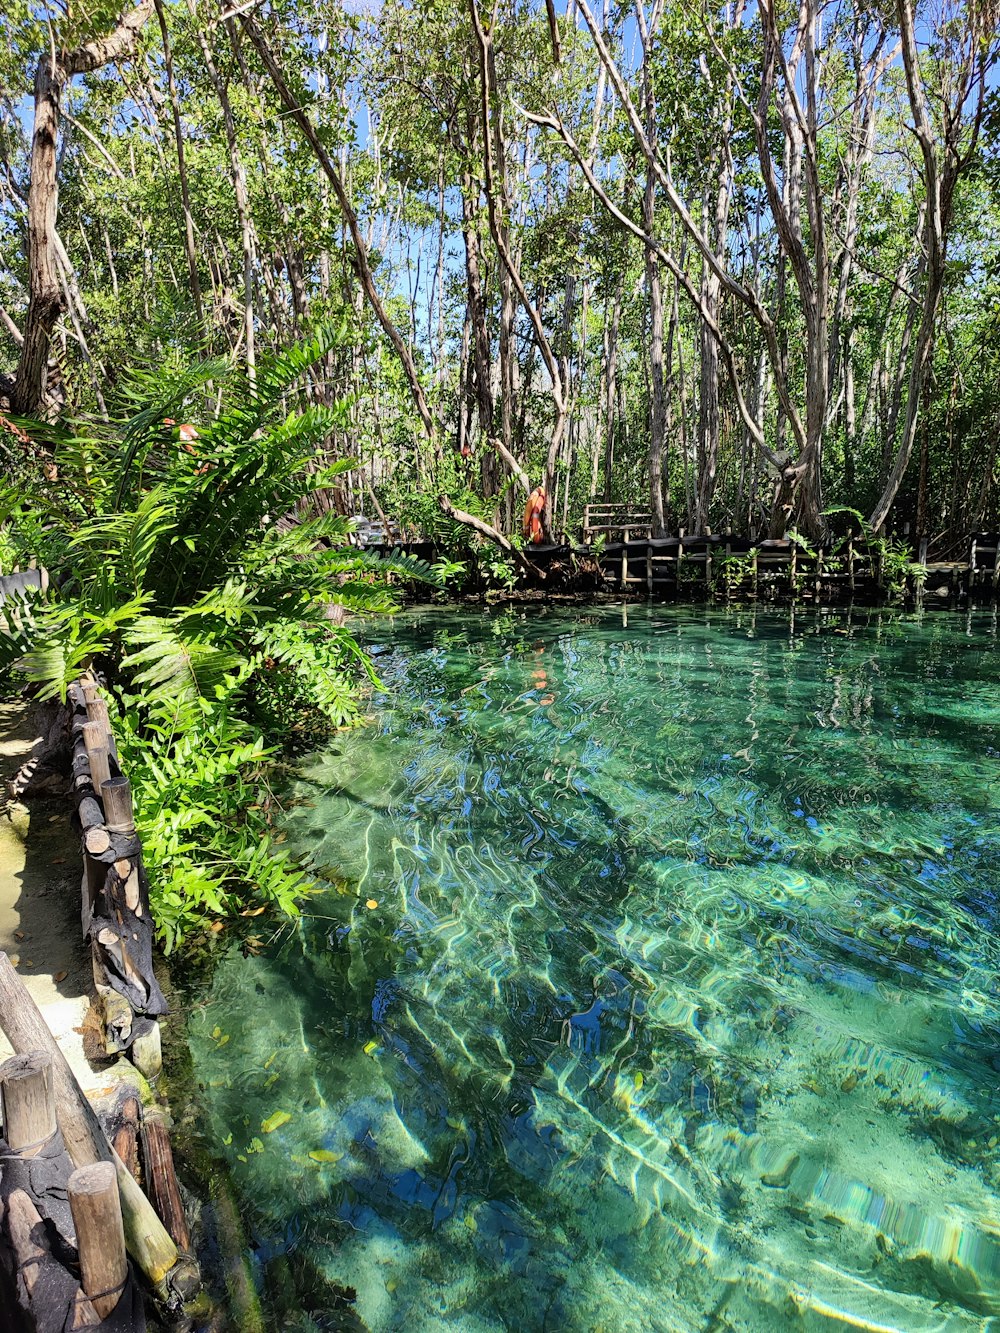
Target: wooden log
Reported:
[(90, 813), (116, 795), (100, 1234), (161, 1177), (34, 1260), (97, 840), (121, 845), (126, 1128), (484, 529), (244, 1303), (29, 1104), (148, 1241)]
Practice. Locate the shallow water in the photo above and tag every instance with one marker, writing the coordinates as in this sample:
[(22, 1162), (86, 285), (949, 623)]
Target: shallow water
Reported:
[(661, 992)]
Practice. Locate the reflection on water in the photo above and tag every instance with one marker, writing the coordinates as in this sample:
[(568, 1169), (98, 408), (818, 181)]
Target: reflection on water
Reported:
[(660, 994)]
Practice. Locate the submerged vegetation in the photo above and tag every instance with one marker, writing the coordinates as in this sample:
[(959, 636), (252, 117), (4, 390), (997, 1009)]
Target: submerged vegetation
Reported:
[(662, 993)]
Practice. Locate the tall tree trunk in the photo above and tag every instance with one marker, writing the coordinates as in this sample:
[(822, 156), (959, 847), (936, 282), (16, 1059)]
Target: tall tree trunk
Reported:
[(944, 158), (45, 298)]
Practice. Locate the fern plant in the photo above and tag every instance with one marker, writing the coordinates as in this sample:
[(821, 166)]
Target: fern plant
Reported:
[(198, 575)]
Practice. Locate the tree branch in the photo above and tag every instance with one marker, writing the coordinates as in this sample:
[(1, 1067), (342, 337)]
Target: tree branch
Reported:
[(491, 534), (301, 119)]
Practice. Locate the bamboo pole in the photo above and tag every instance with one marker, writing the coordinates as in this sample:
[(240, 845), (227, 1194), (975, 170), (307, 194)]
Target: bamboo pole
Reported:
[(99, 757), (147, 1238), (116, 794), (97, 711)]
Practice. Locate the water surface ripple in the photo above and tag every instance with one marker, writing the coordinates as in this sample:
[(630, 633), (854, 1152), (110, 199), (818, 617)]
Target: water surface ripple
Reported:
[(677, 1007)]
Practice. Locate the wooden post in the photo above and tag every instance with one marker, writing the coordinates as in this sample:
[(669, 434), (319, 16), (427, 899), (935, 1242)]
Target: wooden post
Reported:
[(29, 1104), (97, 711), (850, 563), (25, 1029), (708, 569), (649, 569), (100, 1235), (791, 568), (116, 794), (755, 573)]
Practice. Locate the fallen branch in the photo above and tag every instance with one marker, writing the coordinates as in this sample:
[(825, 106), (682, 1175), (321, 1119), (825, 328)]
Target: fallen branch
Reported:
[(491, 534)]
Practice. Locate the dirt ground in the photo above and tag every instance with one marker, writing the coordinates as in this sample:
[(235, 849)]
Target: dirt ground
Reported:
[(40, 898)]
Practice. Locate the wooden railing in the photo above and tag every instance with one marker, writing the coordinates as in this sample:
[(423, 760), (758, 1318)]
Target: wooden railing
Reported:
[(625, 520)]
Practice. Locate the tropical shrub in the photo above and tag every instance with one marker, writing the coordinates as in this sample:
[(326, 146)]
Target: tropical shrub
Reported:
[(199, 575)]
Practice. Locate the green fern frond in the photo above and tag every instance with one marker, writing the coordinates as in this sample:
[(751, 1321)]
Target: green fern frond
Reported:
[(180, 670), (364, 598), (62, 639), (121, 546)]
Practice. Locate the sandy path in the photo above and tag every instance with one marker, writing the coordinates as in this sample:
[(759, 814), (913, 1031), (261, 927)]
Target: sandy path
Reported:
[(40, 874)]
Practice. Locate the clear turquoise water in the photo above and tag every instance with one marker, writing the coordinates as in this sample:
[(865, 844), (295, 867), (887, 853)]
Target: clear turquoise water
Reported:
[(678, 1007)]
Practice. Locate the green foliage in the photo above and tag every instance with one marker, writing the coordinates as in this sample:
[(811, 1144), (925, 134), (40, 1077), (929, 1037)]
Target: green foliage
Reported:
[(897, 569), (212, 597), (203, 812)]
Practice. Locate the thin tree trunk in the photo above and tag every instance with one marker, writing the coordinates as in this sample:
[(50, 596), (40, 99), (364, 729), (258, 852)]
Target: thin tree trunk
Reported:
[(190, 249)]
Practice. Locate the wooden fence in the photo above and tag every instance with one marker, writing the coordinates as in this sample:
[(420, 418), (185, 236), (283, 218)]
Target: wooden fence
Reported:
[(726, 566), (67, 1268)]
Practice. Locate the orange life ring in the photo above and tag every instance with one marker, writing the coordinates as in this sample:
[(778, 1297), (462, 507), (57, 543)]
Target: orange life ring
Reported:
[(531, 527)]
